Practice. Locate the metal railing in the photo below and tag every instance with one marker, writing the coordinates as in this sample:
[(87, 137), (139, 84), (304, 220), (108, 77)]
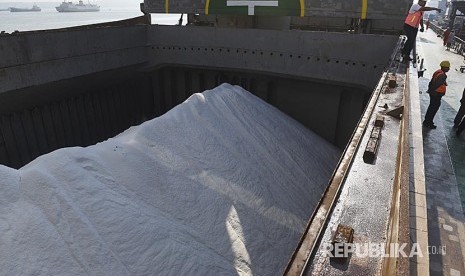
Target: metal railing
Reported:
[(458, 45)]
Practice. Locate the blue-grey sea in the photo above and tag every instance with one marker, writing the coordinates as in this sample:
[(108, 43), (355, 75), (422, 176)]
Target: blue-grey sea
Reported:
[(49, 18)]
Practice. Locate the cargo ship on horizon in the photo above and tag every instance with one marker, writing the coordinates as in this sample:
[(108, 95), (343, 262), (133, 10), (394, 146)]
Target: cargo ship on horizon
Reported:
[(80, 7), (34, 8)]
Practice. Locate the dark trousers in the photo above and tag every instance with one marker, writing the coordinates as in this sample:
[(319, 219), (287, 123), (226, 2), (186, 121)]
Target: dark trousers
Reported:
[(434, 104), (460, 113), (411, 34), (459, 120), (461, 127)]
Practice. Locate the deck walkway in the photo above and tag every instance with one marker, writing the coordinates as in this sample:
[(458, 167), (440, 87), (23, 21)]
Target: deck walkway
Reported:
[(444, 161)]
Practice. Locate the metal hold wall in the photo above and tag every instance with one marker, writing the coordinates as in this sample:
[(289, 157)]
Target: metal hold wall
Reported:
[(88, 116), (84, 119), (35, 58), (330, 110), (308, 64), (347, 59), (79, 94)]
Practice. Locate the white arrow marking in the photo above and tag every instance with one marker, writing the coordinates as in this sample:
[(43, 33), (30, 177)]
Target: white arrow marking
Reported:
[(252, 4)]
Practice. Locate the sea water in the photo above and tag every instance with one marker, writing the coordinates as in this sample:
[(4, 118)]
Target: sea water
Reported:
[(49, 18)]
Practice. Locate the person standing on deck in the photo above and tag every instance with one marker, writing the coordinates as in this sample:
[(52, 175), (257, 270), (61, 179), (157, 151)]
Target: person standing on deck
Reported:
[(450, 40), (445, 38), (436, 89), (459, 121), (412, 21)]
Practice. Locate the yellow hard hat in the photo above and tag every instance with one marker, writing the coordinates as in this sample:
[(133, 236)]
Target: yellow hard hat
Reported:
[(445, 63)]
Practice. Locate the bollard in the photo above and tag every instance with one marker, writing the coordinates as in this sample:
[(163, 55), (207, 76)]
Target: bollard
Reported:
[(421, 70)]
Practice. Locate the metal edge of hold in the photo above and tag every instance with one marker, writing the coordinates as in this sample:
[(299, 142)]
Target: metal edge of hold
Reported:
[(319, 218), (399, 204)]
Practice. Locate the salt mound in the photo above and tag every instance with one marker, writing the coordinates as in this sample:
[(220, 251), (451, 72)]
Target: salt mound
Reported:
[(223, 184)]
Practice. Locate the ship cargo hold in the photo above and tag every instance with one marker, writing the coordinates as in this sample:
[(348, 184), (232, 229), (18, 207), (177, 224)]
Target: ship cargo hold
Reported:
[(333, 67)]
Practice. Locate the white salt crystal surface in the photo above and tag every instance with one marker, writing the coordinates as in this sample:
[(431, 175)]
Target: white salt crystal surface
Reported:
[(223, 184)]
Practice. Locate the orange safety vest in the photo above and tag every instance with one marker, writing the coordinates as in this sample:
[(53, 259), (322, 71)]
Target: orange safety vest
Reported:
[(413, 19), (441, 89)]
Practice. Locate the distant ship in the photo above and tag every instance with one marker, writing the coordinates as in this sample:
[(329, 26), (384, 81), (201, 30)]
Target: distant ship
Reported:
[(7, 9), (80, 7), (34, 8)]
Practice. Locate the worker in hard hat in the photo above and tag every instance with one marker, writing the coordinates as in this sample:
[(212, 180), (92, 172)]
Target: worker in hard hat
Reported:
[(436, 90), (413, 20)]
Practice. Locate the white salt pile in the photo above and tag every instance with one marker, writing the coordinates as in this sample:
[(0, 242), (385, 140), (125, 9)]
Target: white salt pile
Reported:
[(223, 184)]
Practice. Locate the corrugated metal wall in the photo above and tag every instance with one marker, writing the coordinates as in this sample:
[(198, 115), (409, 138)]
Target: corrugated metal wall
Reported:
[(81, 120), (329, 109)]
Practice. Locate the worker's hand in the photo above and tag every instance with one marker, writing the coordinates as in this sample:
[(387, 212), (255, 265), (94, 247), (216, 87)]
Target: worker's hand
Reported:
[(422, 30), (439, 10)]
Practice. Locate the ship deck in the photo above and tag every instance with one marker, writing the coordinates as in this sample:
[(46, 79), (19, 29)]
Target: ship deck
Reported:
[(444, 161), (435, 222)]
